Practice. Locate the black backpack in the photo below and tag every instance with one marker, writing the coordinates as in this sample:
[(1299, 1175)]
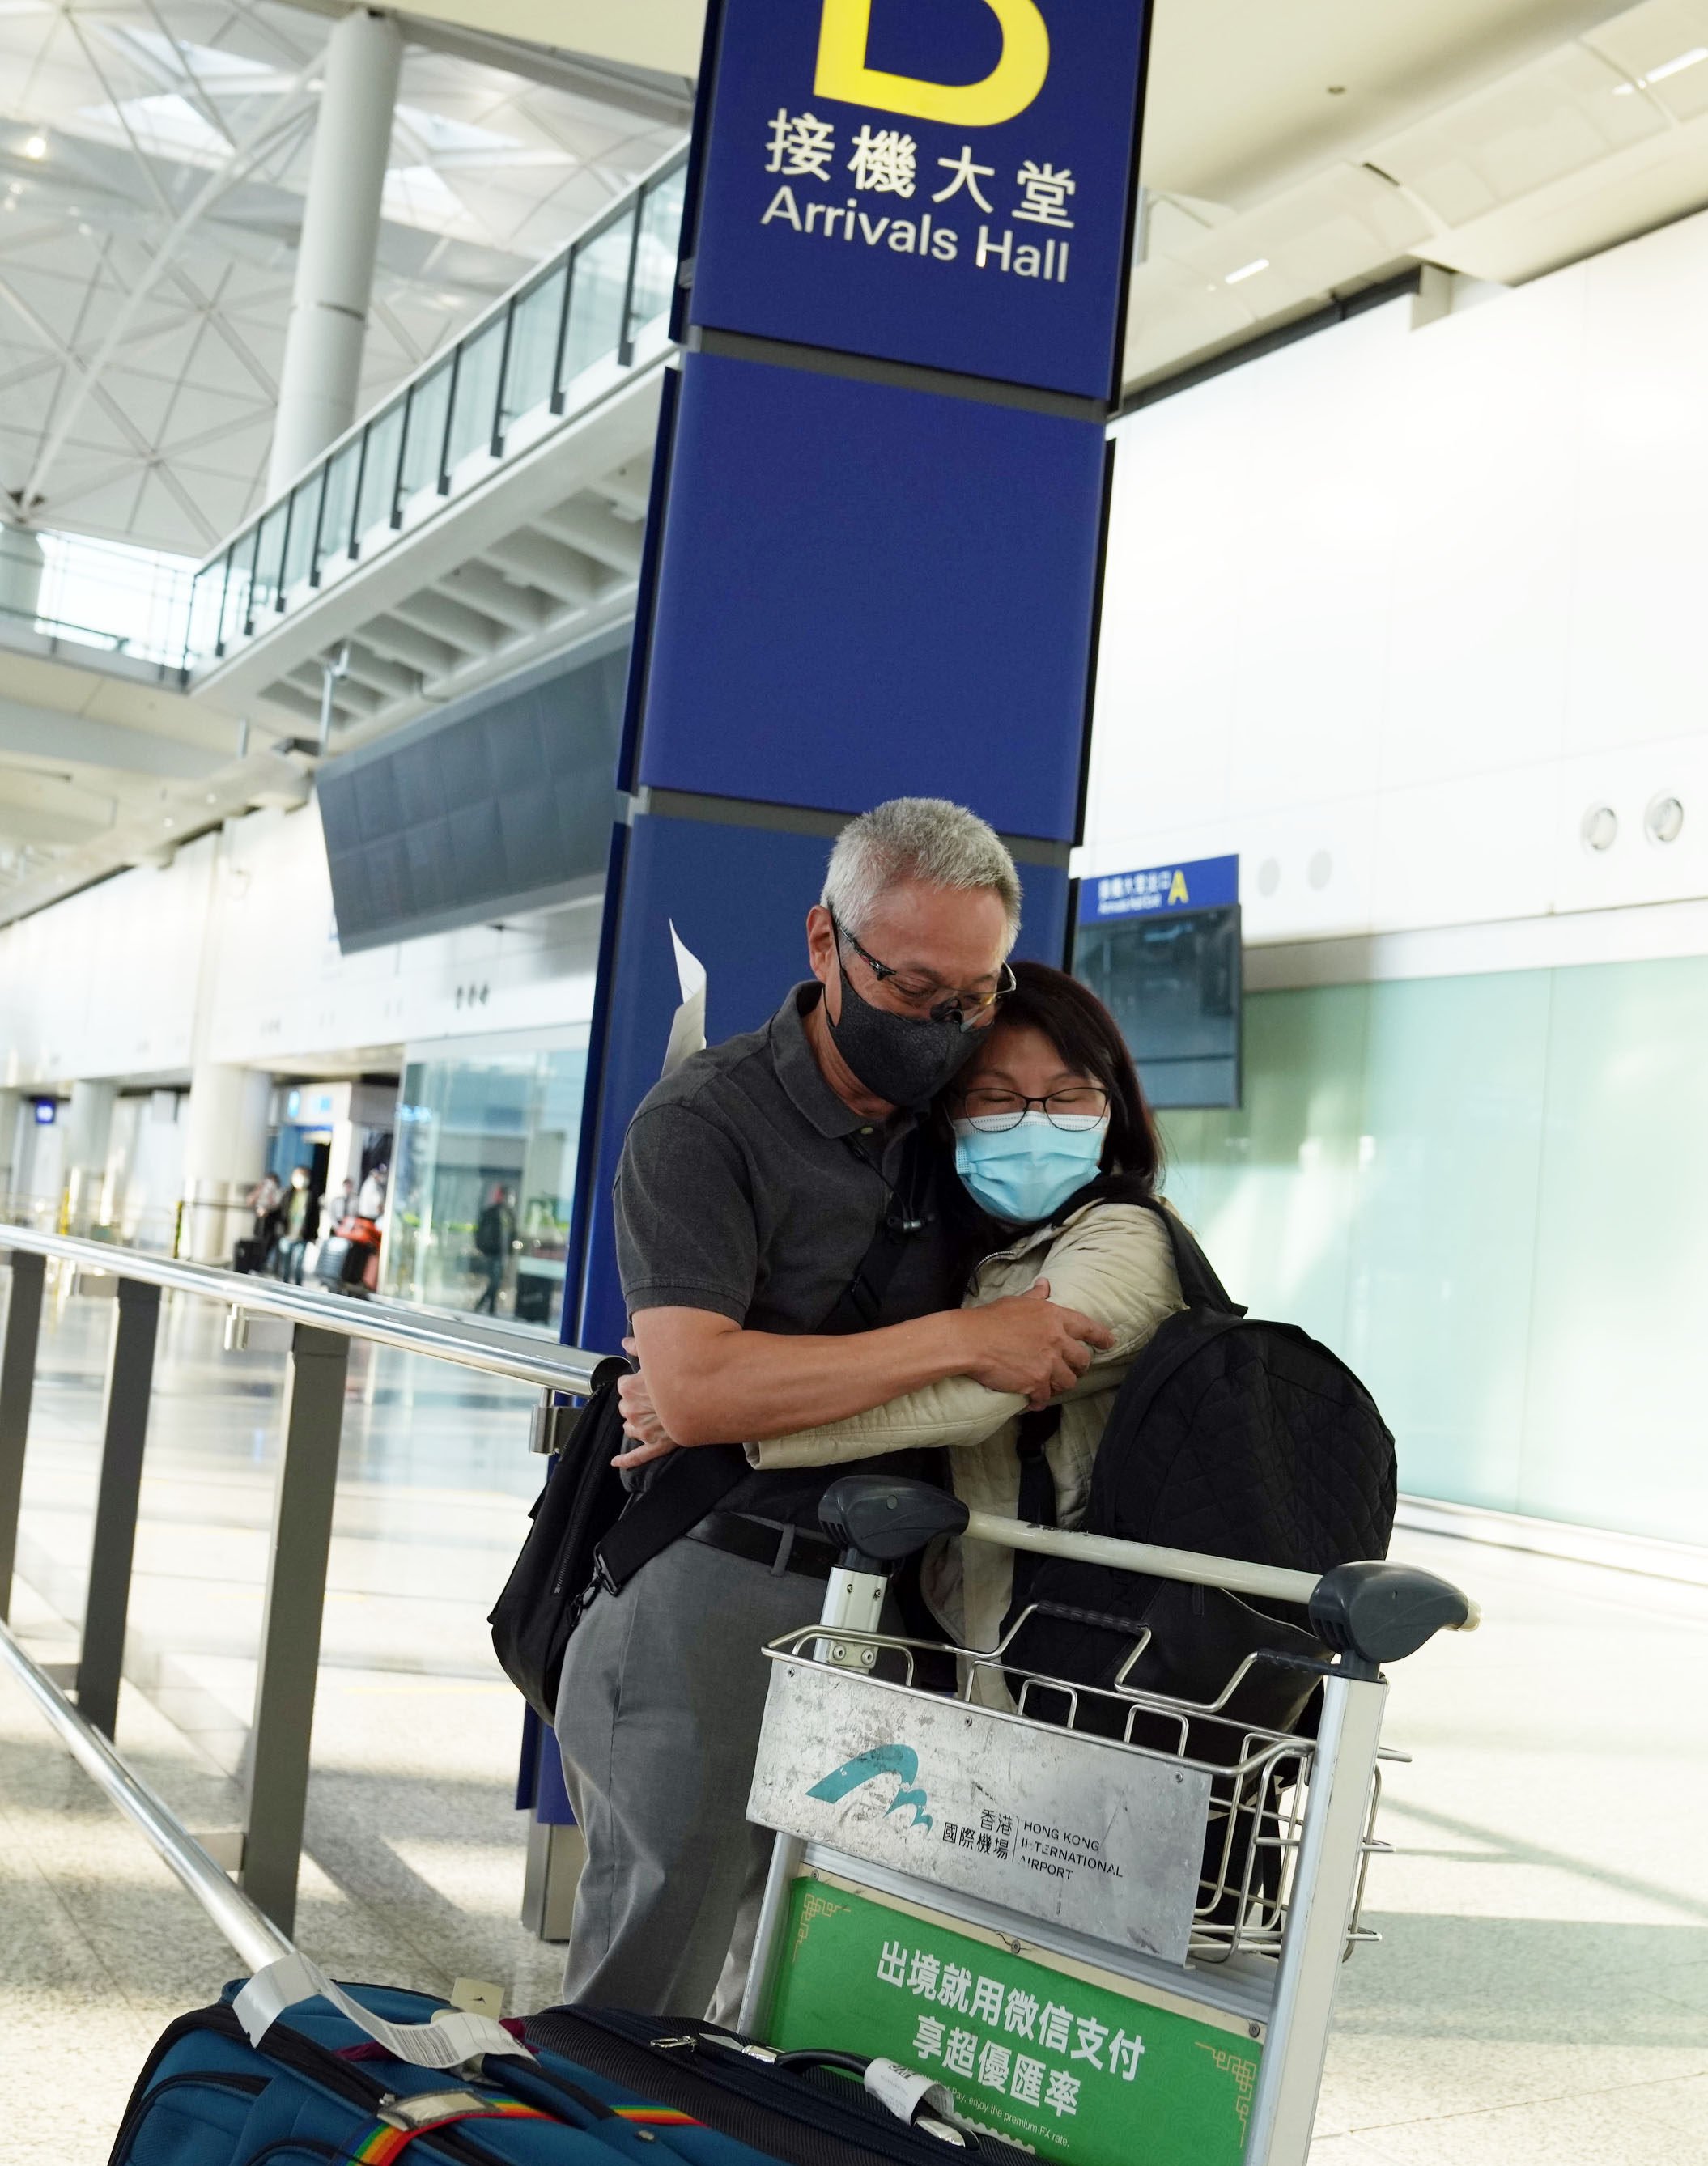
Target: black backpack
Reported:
[(1228, 1437)]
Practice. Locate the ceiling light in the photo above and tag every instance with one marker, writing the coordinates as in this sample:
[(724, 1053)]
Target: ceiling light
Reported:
[(1246, 271), (35, 147), (1677, 66)]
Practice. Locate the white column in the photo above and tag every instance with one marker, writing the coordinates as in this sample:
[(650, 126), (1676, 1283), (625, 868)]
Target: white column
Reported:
[(21, 567), (322, 370), (11, 1107), (225, 1149), (88, 1134)]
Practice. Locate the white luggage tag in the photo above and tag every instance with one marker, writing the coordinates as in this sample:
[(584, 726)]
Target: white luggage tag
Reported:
[(448, 2041)]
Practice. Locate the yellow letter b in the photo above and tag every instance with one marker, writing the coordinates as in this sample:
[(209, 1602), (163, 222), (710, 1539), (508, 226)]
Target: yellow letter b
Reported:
[(1009, 88)]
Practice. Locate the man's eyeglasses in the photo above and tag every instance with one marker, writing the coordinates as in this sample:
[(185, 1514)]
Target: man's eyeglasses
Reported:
[(993, 1111), (941, 1003)]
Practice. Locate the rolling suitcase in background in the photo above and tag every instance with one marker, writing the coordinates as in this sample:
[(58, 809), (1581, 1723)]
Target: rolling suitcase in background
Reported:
[(328, 2082), (250, 1255), (348, 1254)]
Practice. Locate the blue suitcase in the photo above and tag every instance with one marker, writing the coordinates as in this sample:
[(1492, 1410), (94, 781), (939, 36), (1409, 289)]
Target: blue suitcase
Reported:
[(570, 2087)]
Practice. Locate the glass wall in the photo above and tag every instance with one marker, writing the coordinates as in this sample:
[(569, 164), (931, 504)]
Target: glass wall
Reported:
[(1491, 1195), (486, 1146)]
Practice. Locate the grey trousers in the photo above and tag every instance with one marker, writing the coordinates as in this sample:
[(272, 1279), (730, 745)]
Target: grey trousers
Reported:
[(658, 1715)]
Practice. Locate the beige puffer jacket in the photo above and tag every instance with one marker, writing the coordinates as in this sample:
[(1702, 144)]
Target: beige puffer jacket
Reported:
[(1110, 1261)]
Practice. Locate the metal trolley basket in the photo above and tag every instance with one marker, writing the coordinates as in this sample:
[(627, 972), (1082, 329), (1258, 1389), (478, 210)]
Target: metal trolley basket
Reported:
[(1100, 1923)]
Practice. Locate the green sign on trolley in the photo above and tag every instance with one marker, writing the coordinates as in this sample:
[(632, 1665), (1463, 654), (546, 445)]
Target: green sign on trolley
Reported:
[(1092, 2070)]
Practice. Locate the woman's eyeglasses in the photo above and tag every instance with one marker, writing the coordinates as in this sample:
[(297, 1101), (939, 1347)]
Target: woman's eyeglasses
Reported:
[(992, 1110)]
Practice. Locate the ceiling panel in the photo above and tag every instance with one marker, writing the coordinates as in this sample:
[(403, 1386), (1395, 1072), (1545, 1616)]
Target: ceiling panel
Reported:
[(114, 117)]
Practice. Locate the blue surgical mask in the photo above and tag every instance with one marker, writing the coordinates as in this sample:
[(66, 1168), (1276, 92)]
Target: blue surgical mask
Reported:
[(1027, 1172)]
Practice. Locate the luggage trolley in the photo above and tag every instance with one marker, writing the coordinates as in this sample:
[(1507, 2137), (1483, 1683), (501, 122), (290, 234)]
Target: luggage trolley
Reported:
[(1111, 1949)]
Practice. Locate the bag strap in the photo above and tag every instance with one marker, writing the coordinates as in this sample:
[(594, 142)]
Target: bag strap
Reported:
[(686, 1487), (692, 1483), (907, 1211), (1200, 1286), (1035, 1428)]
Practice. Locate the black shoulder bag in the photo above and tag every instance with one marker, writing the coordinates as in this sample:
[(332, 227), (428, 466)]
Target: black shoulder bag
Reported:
[(589, 1532)]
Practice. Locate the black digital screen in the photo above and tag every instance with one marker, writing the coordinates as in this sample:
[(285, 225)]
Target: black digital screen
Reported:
[(1171, 979), (503, 801)]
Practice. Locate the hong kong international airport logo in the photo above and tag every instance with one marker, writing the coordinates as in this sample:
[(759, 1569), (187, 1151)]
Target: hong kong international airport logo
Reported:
[(885, 186), (899, 1761)]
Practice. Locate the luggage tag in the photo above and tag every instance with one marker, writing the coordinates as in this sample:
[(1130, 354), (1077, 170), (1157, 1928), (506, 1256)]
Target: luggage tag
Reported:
[(451, 2040)]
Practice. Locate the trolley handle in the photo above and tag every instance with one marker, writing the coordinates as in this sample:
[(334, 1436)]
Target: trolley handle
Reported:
[(1371, 1611)]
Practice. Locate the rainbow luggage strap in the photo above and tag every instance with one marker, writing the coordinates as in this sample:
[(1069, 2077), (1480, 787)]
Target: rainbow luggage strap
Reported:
[(400, 2122)]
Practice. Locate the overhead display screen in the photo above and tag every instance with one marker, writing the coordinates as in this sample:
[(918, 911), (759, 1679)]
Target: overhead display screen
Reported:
[(501, 802), (1160, 947)]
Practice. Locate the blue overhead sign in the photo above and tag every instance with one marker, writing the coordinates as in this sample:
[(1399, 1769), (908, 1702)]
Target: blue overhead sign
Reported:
[(1201, 884), (948, 183)]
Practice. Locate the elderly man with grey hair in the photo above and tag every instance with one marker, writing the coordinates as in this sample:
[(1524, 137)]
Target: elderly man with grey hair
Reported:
[(783, 1263)]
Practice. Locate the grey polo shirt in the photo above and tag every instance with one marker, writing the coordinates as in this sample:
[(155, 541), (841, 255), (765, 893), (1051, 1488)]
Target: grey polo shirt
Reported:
[(748, 1188)]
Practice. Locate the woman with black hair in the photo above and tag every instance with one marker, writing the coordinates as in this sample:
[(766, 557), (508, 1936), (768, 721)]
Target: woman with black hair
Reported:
[(1055, 1145)]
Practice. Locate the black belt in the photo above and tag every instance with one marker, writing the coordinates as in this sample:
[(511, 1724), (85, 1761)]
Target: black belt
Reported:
[(779, 1549)]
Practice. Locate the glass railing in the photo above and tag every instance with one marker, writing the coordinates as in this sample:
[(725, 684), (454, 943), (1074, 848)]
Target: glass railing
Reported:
[(513, 371), (109, 596)]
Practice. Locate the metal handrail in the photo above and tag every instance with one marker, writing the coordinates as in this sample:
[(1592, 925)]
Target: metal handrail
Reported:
[(498, 1352), (254, 1935), (256, 1915)]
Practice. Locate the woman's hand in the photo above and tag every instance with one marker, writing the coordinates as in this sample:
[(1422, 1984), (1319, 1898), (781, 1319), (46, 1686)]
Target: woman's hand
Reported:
[(640, 1420)]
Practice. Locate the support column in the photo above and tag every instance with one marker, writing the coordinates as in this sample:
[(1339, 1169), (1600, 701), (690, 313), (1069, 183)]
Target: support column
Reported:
[(322, 370), (17, 1388), (11, 1107), (283, 1730), (88, 1134), (21, 567), (107, 1609), (225, 1151)]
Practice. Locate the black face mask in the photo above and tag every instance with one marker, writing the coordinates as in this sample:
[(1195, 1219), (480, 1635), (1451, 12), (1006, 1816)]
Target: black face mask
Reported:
[(905, 1059)]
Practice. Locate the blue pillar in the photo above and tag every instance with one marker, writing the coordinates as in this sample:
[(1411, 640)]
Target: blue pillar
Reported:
[(877, 527), (877, 532)]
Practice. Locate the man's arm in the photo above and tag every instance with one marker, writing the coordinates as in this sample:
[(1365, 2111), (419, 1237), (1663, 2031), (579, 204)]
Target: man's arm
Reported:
[(687, 1245), (710, 1381)]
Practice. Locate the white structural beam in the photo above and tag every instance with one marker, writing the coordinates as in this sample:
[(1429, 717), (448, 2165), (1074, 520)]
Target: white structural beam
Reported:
[(547, 565), (656, 92), (322, 372), (522, 607), (596, 532), (50, 733), (398, 642), (664, 35), (469, 631), (42, 824)]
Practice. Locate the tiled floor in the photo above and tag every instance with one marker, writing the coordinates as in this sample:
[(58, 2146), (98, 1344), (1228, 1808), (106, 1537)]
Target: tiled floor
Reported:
[(1541, 1995)]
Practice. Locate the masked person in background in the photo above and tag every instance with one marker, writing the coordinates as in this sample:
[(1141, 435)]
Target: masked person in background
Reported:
[(785, 1262), (1051, 1134)]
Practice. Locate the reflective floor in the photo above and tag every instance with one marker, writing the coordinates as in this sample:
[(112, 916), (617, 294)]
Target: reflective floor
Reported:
[(1541, 1995)]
